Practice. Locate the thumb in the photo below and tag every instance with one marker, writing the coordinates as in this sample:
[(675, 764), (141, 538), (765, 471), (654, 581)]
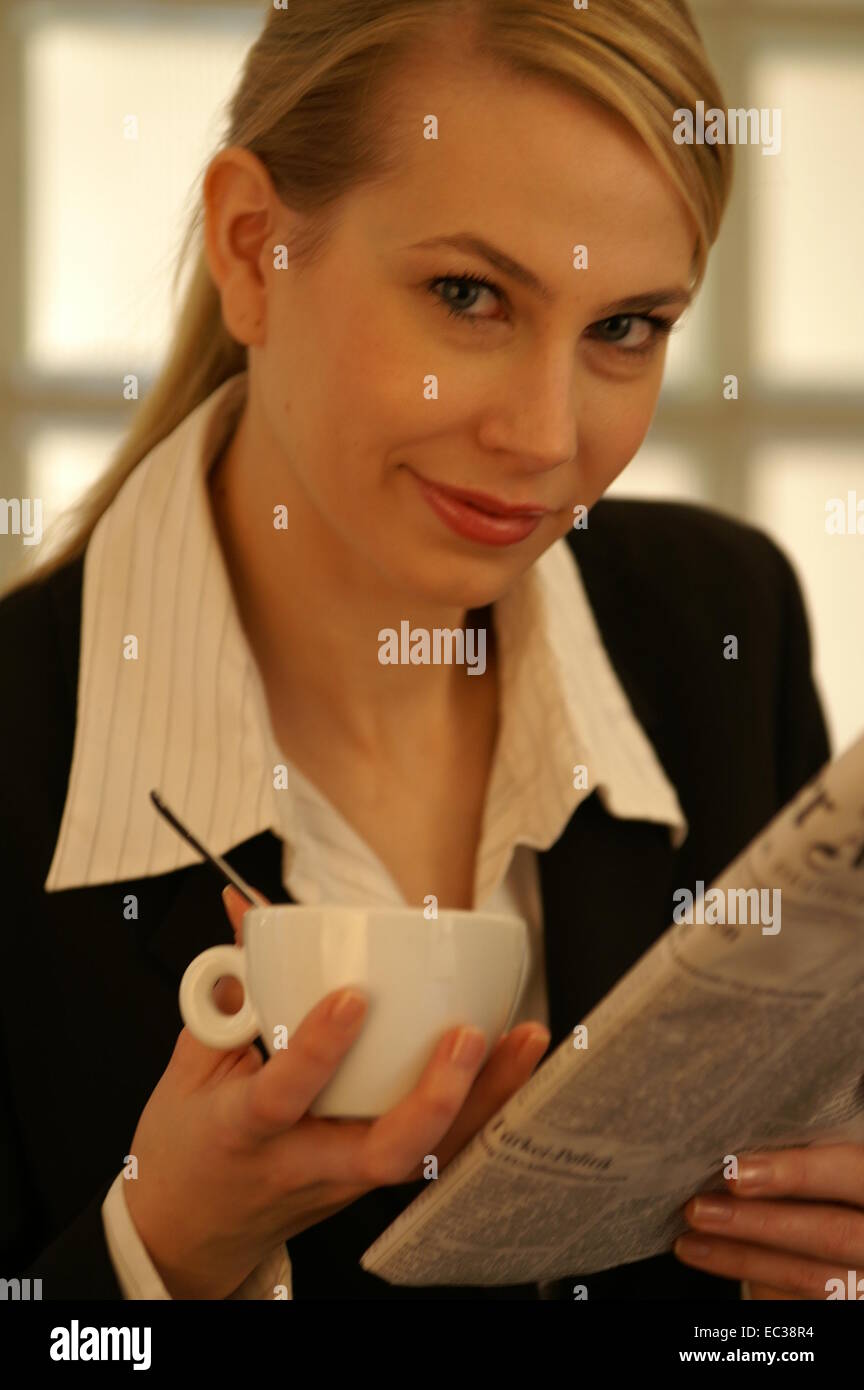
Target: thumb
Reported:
[(236, 907)]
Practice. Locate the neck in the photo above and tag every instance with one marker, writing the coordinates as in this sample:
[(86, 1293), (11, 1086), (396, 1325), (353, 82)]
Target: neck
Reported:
[(312, 610)]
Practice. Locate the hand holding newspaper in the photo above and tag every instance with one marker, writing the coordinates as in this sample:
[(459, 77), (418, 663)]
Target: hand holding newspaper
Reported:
[(738, 1030)]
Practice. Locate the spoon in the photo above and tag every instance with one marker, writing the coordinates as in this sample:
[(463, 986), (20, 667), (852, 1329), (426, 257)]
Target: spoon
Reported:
[(250, 894)]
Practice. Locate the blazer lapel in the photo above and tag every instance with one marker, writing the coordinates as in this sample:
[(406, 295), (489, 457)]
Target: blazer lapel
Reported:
[(607, 895), (606, 883), (594, 931), (191, 916), (185, 905)]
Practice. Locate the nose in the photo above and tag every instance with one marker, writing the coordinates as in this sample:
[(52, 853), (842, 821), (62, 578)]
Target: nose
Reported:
[(534, 412)]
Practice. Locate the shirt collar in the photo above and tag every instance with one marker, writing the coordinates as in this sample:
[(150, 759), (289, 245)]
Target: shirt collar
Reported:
[(565, 719), (169, 696)]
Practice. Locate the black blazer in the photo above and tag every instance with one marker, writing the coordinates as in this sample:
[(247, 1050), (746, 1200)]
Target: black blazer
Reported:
[(89, 1000)]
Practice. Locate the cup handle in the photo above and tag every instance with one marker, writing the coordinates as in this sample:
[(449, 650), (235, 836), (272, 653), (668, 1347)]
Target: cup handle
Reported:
[(198, 1009)]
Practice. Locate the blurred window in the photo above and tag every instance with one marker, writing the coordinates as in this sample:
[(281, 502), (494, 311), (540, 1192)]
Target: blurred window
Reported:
[(120, 109)]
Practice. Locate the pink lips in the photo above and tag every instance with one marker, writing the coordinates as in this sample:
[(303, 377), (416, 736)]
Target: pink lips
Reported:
[(477, 516)]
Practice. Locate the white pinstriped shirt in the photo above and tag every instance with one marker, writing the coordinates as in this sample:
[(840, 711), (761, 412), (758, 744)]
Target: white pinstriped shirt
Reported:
[(189, 716)]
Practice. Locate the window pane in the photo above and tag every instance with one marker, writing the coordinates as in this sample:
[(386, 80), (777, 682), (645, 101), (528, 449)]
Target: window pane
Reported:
[(105, 213), (62, 462), (686, 347), (658, 471), (791, 485), (686, 356), (807, 213)]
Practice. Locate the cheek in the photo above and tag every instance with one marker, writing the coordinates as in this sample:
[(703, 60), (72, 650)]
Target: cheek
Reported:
[(615, 432)]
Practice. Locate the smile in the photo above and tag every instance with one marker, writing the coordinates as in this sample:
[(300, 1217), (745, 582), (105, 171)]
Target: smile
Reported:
[(478, 517)]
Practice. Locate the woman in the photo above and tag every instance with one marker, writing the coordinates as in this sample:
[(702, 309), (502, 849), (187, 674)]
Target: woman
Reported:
[(443, 248)]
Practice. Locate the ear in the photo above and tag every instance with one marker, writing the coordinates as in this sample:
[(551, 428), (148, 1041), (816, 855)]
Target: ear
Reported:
[(239, 232)]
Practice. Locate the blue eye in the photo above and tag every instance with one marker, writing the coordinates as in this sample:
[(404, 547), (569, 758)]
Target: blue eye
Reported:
[(659, 328), (474, 282)]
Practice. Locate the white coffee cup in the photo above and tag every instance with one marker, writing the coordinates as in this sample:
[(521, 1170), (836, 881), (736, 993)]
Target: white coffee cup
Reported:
[(421, 977)]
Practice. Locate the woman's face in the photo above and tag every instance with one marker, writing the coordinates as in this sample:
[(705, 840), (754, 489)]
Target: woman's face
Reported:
[(379, 367)]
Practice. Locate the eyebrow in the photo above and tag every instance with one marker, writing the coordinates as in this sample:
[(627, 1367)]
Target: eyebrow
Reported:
[(478, 246)]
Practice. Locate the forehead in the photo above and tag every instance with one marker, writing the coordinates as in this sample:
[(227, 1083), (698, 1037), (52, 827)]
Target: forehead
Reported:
[(531, 165)]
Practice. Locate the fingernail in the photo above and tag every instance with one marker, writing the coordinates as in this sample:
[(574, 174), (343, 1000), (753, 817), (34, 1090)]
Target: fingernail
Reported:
[(755, 1170), (468, 1047), (225, 891), (536, 1042), (709, 1210), (687, 1246), (348, 1008)]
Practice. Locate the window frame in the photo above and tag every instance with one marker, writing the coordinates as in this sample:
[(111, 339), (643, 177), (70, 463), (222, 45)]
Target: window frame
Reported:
[(720, 437)]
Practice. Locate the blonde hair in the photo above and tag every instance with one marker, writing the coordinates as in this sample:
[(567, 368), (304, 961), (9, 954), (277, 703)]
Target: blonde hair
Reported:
[(308, 106)]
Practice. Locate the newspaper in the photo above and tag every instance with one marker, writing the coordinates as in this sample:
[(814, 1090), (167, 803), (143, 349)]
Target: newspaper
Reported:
[(726, 1036)]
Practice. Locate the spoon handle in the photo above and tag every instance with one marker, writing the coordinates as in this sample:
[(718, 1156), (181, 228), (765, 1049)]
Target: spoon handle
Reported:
[(249, 893)]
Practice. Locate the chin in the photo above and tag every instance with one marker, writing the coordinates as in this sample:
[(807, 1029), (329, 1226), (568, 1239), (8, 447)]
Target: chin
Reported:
[(466, 585)]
